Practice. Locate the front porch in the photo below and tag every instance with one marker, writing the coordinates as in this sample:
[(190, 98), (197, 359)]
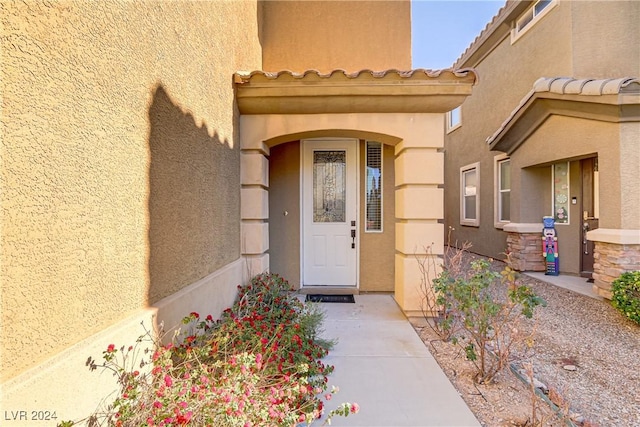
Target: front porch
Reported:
[(404, 111)]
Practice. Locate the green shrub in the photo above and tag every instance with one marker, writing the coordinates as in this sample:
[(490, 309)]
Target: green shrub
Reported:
[(491, 326), (626, 295)]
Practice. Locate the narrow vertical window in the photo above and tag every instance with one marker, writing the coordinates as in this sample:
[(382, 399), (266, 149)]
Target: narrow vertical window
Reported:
[(373, 187), (503, 190), (469, 191), (561, 193)]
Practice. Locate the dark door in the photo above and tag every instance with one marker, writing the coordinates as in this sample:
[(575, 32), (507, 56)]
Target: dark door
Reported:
[(589, 169)]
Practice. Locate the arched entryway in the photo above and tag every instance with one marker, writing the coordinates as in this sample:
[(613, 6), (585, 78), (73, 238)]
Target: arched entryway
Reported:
[(284, 113), (272, 159)]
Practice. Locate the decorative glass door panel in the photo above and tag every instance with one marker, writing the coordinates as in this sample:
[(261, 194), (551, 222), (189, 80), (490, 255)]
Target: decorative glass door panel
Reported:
[(329, 186)]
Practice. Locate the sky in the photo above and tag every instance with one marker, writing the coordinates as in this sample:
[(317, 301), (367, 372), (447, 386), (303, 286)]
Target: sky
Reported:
[(443, 29)]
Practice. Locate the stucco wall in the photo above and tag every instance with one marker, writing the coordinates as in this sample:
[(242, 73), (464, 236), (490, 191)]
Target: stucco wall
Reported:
[(506, 75), (377, 249), (555, 140), (326, 35), (603, 30), (120, 160), (630, 175), (284, 196)]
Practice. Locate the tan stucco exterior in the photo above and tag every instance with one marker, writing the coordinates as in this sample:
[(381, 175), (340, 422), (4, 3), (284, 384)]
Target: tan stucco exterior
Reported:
[(145, 174), (120, 178), (417, 197), (327, 35), (582, 40)]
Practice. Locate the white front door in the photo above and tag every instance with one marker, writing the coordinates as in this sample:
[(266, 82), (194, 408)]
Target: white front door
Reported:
[(329, 212)]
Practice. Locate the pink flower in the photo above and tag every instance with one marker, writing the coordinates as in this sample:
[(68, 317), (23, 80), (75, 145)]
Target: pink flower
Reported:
[(355, 408), (111, 348), (168, 381), (157, 404), (328, 396)]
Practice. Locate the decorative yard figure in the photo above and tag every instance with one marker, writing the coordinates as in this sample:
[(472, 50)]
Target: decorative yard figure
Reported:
[(550, 246)]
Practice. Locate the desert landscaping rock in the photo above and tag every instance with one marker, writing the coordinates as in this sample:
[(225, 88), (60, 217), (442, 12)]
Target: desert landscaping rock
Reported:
[(603, 389)]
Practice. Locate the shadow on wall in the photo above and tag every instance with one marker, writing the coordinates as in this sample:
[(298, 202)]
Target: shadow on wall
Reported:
[(194, 200)]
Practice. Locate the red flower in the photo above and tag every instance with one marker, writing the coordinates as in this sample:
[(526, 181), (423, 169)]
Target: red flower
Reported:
[(194, 314), (355, 408), (168, 381), (111, 348)]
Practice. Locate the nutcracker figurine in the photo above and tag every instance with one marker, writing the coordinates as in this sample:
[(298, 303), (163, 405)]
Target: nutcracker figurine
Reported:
[(550, 246)]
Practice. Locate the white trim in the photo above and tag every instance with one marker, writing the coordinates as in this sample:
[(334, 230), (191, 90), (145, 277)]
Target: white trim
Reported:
[(497, 160), (450, 125), (464, 221), (535, 18)]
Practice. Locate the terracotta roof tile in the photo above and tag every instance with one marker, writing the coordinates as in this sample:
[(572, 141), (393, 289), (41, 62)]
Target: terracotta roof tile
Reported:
[(571, 86), (417, 74), (593, 87)]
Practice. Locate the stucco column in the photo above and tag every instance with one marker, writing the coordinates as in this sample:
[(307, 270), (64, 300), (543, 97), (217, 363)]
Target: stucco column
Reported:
[(254, 208), (419, 174)]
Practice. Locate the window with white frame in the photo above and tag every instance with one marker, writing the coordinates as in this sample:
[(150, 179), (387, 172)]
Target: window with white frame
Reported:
[(502, 197), (528, 19), (469, 195), (454, 119), (373, 187)]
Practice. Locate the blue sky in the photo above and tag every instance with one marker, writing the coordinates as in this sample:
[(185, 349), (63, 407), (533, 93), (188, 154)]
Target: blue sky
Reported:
[(443, 29)]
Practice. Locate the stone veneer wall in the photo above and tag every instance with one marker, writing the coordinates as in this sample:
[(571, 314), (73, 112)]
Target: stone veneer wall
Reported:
[(526, 251), (610, 261)]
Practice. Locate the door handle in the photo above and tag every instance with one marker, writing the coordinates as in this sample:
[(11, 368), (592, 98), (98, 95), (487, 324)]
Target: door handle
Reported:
[(585, 242), (353, 239)]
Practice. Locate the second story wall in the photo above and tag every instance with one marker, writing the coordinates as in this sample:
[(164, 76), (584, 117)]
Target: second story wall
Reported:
[(326, 35), (606, 39), (507, 70)]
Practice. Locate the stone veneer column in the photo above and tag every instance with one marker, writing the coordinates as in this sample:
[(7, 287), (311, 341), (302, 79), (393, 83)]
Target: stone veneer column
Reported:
[(419, 171), (615, 252), (254, 208), (524, 244)]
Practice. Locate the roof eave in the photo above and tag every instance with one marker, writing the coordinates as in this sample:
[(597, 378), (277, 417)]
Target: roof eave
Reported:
[(614, 108), (384, 92)]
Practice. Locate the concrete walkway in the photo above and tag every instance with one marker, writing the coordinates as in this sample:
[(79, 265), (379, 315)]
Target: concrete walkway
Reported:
[(382, 364), (573, 283)]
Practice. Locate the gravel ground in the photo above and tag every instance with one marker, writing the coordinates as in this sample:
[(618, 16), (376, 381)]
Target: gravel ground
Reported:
[(589, 334)]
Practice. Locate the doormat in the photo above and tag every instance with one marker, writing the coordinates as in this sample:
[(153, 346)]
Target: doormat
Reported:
[(330, 298)]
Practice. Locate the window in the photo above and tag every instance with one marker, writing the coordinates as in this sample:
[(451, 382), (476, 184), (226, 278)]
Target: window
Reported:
[(560, 188), (373, 187), (531, 16), (502, 181), (454, 119), (469, 192)]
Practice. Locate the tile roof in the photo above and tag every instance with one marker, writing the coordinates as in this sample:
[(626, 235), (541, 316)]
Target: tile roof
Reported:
[(571, 86), (364, 91), (415, 74), (497, 18)]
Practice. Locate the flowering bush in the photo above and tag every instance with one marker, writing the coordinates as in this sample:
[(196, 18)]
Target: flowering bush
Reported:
[(259, 365)]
